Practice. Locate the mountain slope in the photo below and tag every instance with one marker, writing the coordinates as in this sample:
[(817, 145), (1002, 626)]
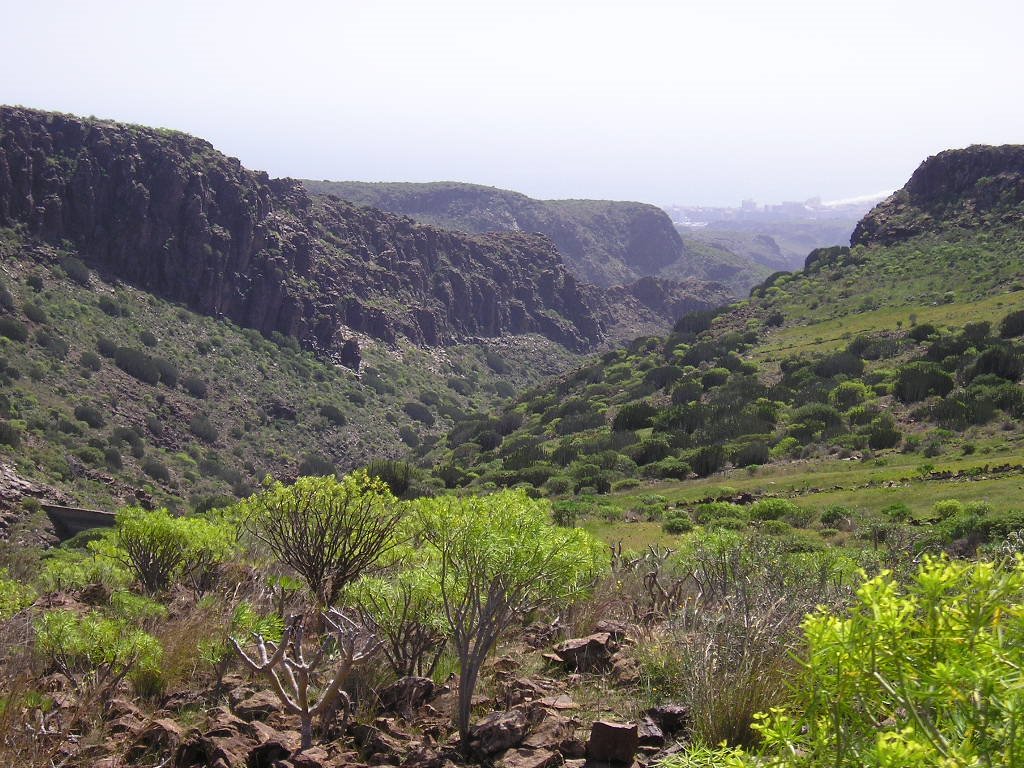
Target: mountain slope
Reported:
[(604, 242), (908, 342), (168, 213)]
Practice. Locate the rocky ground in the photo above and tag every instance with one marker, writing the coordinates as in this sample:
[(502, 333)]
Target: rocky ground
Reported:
[(560, 714)]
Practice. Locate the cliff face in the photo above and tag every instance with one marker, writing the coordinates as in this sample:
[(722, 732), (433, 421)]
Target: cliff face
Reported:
[(167, 212), (960, 188), (604, 242)]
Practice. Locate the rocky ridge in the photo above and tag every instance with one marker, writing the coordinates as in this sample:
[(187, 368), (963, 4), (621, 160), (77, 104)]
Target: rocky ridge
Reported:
[(979, 186), (166, 212), (605, 242)]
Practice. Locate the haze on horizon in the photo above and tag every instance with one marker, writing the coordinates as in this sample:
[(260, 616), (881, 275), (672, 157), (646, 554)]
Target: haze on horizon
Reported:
[(686, 102)]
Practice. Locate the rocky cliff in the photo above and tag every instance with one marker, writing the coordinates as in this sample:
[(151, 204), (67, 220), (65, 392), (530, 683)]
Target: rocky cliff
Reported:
[(168, 213), (980, 186), (604, 242)]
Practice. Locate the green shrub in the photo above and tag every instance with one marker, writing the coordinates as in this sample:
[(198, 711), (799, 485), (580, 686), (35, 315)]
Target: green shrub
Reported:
[(75, 269), (418, 412), (848, 394), (90, 360), (708, 513), (148, 338), (883, 432), (917, 380), (316, 465), (752, 453), (201, 426), (676, 521), (773, 509), (103, 651), (10, 434), (1012, 325), (196, 387), (90, 415), (14, 596), (156, 469), (12, 329), (136, 364), (332, 414), (707, 460), (168, 371), (902, 649), (35, 313), (634, 416), (159, 549)]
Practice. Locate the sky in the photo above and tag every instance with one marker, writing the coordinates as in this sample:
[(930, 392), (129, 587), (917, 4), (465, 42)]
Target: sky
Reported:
[(689, 102)]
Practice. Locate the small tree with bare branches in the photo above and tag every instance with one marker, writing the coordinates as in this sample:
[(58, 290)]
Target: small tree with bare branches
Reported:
[(293, 669)]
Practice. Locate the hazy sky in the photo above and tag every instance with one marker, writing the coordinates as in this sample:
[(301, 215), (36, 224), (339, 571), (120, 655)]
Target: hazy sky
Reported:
[(691, 102)]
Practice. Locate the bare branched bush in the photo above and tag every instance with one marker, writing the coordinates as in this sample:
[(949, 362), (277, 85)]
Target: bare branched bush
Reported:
[(294, 671)]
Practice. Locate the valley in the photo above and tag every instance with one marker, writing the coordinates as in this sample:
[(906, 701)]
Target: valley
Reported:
[(433, 475)]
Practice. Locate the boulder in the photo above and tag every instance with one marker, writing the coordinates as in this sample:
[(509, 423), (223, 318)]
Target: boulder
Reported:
[(526, 757), (613, 742), (406, 695), (160, 736), (592, 653), (259, 706), (499, 731), (649, 734), (671, 718)]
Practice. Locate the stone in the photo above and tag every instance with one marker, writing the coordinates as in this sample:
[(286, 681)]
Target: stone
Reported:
[(499, 731), (649, 734), (586, 654), (560, 702), (161, 735), (671, 718), (406, 695), (625, 670), (617, 630), (613, 742), (525, 757), (259, 706), (267, 754)]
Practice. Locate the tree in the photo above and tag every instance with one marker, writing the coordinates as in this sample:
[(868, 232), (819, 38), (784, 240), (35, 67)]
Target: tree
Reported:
[(500, 560), (406, 612), (159, 548), (350, 643), (328, 531)]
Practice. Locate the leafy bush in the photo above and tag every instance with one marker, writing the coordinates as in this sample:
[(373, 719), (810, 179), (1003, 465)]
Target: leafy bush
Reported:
[(1012, 325), (752, 453), (12, 329), (773, 509), (90, 361), (10, 434), (332, 414), (707, 460), (75, 269), (918, 380), (634, 416), (883, 432), (195, 387), (156, 469), (887, 678), (103, 650), (848, 394), (676, 521), (90, 415), (201, 426), (159, 549), (148, 338), (329, 531), (316, 465), (418, 412), (13, 596), (136, 363), (167, 370), (35, 313)]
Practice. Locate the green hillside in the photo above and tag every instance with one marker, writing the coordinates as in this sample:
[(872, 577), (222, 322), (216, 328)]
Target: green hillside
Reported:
[(881, 366), (111, 395)]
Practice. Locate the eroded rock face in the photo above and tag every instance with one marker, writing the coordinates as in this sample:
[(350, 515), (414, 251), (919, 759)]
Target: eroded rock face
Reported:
[(968, 188)]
